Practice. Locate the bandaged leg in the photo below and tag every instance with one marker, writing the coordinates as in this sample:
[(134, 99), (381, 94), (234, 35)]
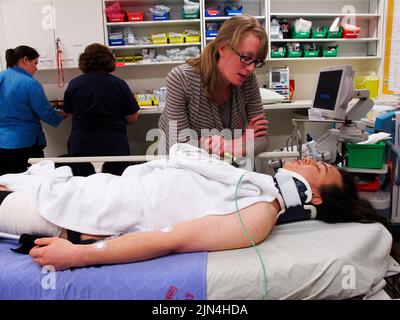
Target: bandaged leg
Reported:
[(294, 193), (18, 215)]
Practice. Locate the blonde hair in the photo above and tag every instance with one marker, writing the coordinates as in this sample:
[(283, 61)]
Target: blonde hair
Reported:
[(231, 32)]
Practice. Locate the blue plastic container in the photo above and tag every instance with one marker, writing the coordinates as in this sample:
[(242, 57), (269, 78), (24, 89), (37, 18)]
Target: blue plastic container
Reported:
[(211, 33), (229, 11), (163, 17), (116, 42)]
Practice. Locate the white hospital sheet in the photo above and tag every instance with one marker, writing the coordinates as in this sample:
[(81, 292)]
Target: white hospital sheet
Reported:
[(305, 260)]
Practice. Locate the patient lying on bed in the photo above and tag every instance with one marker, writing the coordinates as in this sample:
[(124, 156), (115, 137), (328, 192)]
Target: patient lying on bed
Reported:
[(190, 202)]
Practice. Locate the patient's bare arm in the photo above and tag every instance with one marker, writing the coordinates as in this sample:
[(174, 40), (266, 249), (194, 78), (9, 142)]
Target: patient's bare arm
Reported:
[(209, 233), (4, 188), (83, 236)]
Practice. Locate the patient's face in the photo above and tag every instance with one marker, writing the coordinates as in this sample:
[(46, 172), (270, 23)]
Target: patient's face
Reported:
[(317, 173)]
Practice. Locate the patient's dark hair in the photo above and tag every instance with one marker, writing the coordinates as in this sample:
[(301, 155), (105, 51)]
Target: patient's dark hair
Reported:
[(345, 205), (97, 58)]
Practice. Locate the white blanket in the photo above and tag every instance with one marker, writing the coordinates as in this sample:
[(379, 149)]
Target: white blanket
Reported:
[(149, 196)]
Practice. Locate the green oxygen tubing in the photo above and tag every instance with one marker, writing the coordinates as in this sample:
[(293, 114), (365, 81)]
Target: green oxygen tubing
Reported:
[(249, 236)]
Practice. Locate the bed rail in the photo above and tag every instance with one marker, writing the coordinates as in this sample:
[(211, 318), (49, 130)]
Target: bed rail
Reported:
[(98, 162)]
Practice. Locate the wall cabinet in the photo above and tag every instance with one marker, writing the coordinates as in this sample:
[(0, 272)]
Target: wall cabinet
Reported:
[(30, 23), (78, 24), (40, 23)]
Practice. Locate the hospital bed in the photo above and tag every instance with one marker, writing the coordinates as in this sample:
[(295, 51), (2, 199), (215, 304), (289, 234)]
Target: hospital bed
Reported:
[(302, 260)]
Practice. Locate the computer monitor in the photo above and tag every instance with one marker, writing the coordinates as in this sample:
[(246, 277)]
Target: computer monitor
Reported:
[(333, 92)]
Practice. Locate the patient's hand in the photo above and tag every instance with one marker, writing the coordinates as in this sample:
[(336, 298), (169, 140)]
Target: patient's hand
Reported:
[(59, 253), (4, 188)]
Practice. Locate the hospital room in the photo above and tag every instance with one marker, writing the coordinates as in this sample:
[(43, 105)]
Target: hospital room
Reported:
[(231, 151)]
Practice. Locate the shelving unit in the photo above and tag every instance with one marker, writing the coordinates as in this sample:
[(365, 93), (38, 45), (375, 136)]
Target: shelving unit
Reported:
[(368, 14), (146, 28), (256, 8)]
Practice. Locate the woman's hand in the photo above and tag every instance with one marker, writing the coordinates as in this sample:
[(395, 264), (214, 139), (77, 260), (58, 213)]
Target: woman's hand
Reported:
[(214, 144), (64, 114), (259, 125), (219, 146), (56, 252)]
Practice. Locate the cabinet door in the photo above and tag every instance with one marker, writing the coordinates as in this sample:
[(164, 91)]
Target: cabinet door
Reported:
[(78, 24), (30, 23)]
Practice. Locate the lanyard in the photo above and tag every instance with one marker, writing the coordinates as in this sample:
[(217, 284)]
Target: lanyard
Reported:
[(60, 69)]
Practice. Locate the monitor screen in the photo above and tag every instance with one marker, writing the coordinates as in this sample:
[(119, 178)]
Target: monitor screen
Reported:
[(276, 77), (327, 89)]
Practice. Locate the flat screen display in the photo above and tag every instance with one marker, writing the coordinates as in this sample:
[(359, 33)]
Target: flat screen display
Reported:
[(276, 77), (327, 89)]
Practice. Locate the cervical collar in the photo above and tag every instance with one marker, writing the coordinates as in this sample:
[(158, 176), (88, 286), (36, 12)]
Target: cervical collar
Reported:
[(294, 193)]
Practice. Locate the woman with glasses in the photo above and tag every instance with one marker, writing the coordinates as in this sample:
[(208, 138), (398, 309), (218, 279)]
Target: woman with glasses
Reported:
[(213, 99)]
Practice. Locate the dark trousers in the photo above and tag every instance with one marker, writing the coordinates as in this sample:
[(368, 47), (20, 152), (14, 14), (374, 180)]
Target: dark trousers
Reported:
[(86, 169), (16, 160), (3, 195)]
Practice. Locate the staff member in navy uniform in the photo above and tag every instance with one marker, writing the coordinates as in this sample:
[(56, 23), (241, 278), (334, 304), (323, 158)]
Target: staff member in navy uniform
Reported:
[(101, 105)]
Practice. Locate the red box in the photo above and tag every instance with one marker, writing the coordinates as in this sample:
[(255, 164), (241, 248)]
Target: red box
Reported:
[(116, 17), (350, 34), (135, 16), (368, 186)]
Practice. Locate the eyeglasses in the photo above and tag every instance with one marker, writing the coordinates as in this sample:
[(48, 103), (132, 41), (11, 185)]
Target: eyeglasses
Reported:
[(248, 60)]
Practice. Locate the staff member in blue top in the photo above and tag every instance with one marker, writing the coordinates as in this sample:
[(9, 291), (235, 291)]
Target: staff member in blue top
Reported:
[(23, 103)]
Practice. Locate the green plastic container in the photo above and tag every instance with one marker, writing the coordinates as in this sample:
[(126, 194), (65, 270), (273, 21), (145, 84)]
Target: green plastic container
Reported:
[(327, 52), (278, 54), (337, 34), (299, 35), (195, 15), (294, 54), (313, 53), (366, 156), (318, 34)]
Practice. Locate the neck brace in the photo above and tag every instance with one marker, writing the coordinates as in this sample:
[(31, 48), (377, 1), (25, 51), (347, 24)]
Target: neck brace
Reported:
[(294, 193)]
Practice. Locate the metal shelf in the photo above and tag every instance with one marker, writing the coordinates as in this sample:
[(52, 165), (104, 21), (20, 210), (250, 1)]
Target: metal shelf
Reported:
[(168, 45), (148, 63), (326, 58), (326, 40), (226, 18), (372, 171), (325, 15), (153, 23)]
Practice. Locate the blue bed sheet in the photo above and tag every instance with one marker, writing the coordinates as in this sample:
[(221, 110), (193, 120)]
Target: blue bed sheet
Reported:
[(173, 277)]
